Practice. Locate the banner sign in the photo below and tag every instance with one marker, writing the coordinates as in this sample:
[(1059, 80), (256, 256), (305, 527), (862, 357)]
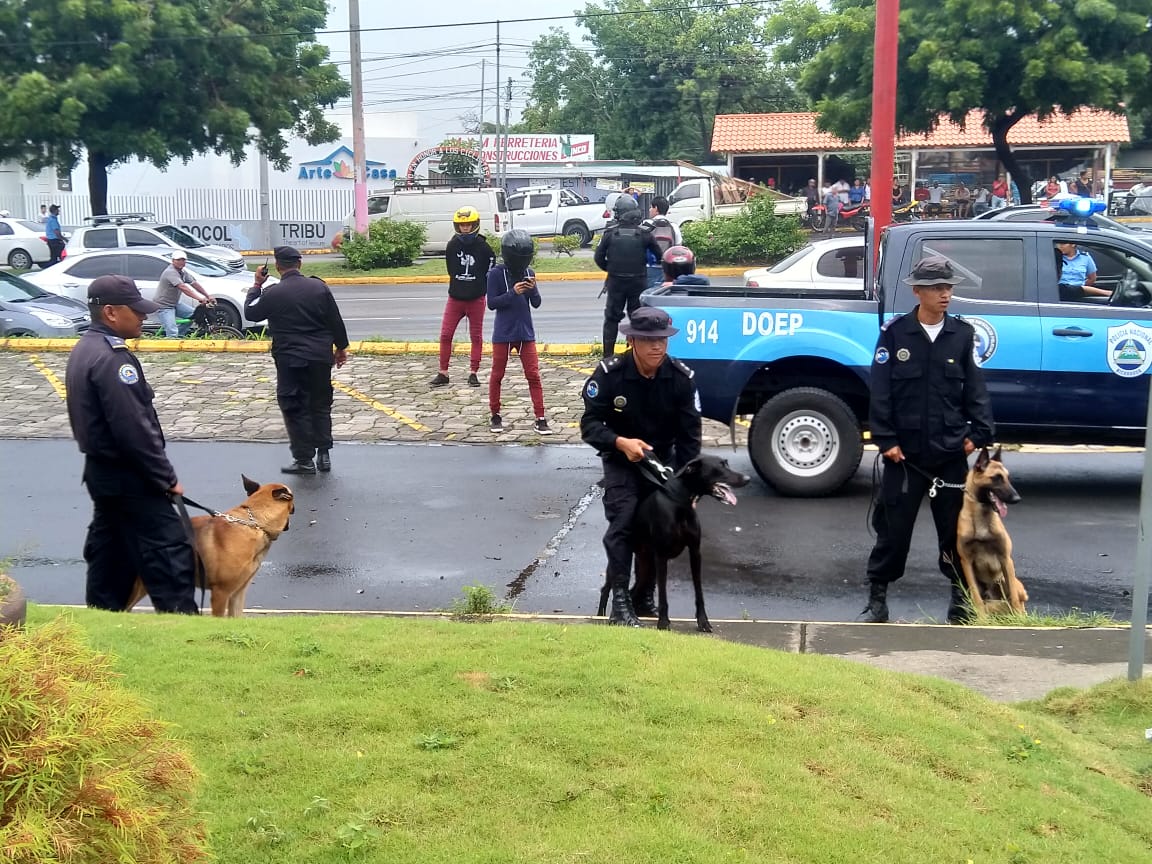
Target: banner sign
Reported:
[(539, 148)]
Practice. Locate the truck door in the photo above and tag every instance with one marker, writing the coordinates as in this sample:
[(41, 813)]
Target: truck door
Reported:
[(999, 301), (1097, 349), (540, 214), (687, 203)]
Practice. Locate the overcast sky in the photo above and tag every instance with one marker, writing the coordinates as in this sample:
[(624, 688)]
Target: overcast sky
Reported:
[(436, 72)]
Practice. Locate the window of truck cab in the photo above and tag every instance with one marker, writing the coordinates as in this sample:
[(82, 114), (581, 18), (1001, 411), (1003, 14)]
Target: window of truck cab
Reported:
[(685, 192), (989, 268)]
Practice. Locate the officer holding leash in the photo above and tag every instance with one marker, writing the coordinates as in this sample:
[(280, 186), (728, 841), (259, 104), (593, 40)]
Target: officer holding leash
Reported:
[(134, 530), (929, 409), (637, 403)]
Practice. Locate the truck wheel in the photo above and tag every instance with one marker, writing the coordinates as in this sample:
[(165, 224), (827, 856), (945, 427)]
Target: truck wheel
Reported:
[(578, 230), (805, 442)]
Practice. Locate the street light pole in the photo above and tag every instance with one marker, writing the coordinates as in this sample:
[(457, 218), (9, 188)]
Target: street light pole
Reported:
[(884, 52), (359, 159)]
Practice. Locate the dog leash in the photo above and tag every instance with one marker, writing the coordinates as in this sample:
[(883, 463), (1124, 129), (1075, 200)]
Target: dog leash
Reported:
[(250, 522), (937, 483), (199, 576)]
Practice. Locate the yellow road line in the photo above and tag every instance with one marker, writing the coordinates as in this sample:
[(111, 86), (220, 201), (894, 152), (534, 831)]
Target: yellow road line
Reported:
[(56, 383), (571, 367), (381, 407)]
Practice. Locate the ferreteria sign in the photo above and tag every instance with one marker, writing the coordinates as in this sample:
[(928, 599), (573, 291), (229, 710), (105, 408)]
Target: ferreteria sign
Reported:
[(539, 148)]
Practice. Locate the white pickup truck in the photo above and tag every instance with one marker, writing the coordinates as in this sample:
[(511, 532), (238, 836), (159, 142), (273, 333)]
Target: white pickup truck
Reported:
[(712, 196), (546, 212)]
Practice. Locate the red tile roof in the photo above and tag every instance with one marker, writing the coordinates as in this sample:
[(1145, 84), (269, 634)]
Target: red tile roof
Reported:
[(797, 133)]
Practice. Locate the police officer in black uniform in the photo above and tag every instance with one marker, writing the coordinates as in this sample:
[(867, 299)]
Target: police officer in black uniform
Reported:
[(929, 409), (638, 402), (134, 530), (305, 325), (623, 254)]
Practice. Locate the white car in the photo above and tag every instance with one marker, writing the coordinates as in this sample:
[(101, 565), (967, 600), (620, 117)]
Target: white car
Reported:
[(23, 243), (830, 265), (71, 276), (124, 230)]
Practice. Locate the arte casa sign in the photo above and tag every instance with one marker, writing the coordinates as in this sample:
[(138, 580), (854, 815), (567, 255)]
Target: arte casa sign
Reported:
[(538, 148), (338, 165)]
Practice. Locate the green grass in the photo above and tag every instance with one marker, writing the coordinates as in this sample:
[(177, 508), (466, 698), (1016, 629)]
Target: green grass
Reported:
[(545, 262), (328, 739)]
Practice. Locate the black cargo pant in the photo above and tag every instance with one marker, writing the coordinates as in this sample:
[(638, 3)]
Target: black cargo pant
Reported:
[(624, 489), (304, 393), (136, 533), (897, 504), (623, 294)]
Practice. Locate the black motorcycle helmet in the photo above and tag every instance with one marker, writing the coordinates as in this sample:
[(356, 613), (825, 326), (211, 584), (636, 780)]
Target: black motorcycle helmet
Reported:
[(517, 250), (678, 261), (627, 210)]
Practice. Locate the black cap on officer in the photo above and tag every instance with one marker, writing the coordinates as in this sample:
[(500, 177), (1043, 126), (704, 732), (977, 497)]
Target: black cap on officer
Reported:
[(648, 322), (119, 291), (287, 255)]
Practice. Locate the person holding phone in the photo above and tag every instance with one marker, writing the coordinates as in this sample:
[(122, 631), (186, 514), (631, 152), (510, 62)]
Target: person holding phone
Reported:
[(512, 295), (306, 326)]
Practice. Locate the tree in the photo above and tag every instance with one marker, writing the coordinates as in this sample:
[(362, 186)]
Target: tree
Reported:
[(161, 80), (652, 83), (457, 165), (1009, 58)]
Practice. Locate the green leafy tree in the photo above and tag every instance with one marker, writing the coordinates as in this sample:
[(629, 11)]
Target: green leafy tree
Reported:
[(651, 84), (1009, 58), (160, 81), (456, 165)]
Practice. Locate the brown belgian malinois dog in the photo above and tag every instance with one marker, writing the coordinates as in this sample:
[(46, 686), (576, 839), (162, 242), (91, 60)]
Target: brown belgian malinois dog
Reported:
[(984, 545), (231, 546)]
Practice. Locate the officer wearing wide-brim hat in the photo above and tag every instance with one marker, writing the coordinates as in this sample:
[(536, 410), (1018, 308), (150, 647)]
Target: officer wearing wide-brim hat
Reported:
[(134, 530), (636, 402), (308, 339), (928, 410)]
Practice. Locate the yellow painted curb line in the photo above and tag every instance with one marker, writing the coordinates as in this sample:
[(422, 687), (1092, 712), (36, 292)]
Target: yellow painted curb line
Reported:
[(261, 346), (585, 276)]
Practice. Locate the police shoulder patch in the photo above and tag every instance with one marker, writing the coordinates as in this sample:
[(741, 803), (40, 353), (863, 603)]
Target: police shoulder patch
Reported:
[(682, 367), (592, 388), (128, 374), (881, 355)]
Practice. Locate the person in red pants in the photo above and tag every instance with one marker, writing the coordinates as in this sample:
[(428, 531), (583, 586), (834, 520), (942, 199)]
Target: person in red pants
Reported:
[(512, 294), (469, 258)]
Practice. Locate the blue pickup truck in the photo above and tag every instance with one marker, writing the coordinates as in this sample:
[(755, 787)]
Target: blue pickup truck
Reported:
[(1058, 370)]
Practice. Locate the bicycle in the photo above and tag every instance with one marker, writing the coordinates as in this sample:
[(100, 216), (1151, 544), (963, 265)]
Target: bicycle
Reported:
[(207, 322)]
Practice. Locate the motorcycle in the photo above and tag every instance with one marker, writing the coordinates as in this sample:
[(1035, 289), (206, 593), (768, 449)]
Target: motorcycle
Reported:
[(909, 212), (856, 215), (816, 217)]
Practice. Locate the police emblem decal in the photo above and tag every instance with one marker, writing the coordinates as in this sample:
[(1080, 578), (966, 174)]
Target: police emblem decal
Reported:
[(881, 356), (619, 402), (128, 374), (1129, 350), (984, 345), (592, 390), (903, 354)]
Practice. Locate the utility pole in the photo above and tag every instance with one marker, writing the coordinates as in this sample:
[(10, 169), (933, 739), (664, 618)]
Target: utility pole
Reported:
[(359, 159), (480, 131), (504, 150), (885, 51), (265, 204), (497, 108)]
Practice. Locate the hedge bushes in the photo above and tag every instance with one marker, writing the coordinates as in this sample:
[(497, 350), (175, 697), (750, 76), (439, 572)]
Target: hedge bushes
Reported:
[(388, 243), (755, 236), (86, 775)]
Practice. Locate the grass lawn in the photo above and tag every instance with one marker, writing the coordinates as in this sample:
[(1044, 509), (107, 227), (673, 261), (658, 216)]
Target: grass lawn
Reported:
[(330, 739), (545, 262)]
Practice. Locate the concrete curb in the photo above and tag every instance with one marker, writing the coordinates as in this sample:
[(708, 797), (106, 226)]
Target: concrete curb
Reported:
[(586, 276), (263, 346)]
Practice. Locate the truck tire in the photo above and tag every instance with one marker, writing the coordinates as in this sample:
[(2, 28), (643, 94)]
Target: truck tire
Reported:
[(578, 230), (805, 442)]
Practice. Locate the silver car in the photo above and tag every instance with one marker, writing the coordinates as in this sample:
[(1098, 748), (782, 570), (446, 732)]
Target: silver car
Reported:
[(28, 310), (121, 230)]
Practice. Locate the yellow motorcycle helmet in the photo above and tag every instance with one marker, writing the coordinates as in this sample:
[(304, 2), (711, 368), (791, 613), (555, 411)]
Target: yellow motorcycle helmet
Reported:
[(466, 221)]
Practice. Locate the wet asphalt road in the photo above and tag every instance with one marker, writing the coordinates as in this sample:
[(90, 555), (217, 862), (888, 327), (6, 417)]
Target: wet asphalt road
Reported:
[(407, 526)]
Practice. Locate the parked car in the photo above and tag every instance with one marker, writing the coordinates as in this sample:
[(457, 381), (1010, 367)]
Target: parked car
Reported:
[(23, 243), (434, 207), (123, 230), (830, 265), (70, 278), (28, 310), (1045, 213), (544, 212)]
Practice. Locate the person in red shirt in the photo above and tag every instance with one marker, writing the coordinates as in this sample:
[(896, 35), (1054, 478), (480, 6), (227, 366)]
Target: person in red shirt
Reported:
[(999, 192)]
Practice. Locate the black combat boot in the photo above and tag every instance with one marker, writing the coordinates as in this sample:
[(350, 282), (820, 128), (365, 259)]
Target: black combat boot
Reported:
[(876, 612), (959, 610), (622, 612), (644, 600)]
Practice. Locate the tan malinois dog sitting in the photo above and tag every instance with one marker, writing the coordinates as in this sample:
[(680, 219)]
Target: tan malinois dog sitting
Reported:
[(982, 541)]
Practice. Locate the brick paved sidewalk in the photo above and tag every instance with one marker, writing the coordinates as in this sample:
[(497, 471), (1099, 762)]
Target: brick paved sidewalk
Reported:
[(232, 397)]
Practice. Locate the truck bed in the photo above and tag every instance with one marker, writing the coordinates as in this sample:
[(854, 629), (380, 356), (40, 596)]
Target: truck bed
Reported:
[(675, 293)]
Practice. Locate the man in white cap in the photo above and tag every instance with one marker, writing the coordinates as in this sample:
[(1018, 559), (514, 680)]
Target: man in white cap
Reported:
[(174, 281)]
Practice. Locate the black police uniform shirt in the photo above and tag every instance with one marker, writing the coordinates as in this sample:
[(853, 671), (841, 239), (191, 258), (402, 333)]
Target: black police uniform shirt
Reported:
[(928, 396), (110, 410), (468, 265), (663, 411), (302, 316), (623, 252)]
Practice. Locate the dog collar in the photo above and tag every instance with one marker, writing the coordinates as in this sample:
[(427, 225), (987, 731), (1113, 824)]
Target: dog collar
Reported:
[(250, 522)]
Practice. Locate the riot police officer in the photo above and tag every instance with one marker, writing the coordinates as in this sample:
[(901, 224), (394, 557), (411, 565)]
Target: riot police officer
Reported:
[(928, 410), (305, 324), (623, 254), (134, 530), (642, 401)]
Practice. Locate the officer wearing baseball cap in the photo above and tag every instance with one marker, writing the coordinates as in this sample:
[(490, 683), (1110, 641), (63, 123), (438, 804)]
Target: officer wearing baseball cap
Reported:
[(305, 325), (134, 530), (928, 410), (639, 402)]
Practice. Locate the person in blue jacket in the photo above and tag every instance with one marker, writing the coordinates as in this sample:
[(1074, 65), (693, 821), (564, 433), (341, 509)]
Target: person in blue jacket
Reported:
[(679, 264), (512, 295)]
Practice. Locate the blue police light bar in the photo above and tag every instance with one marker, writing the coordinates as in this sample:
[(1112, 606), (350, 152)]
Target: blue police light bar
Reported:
[(1079, 206)]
